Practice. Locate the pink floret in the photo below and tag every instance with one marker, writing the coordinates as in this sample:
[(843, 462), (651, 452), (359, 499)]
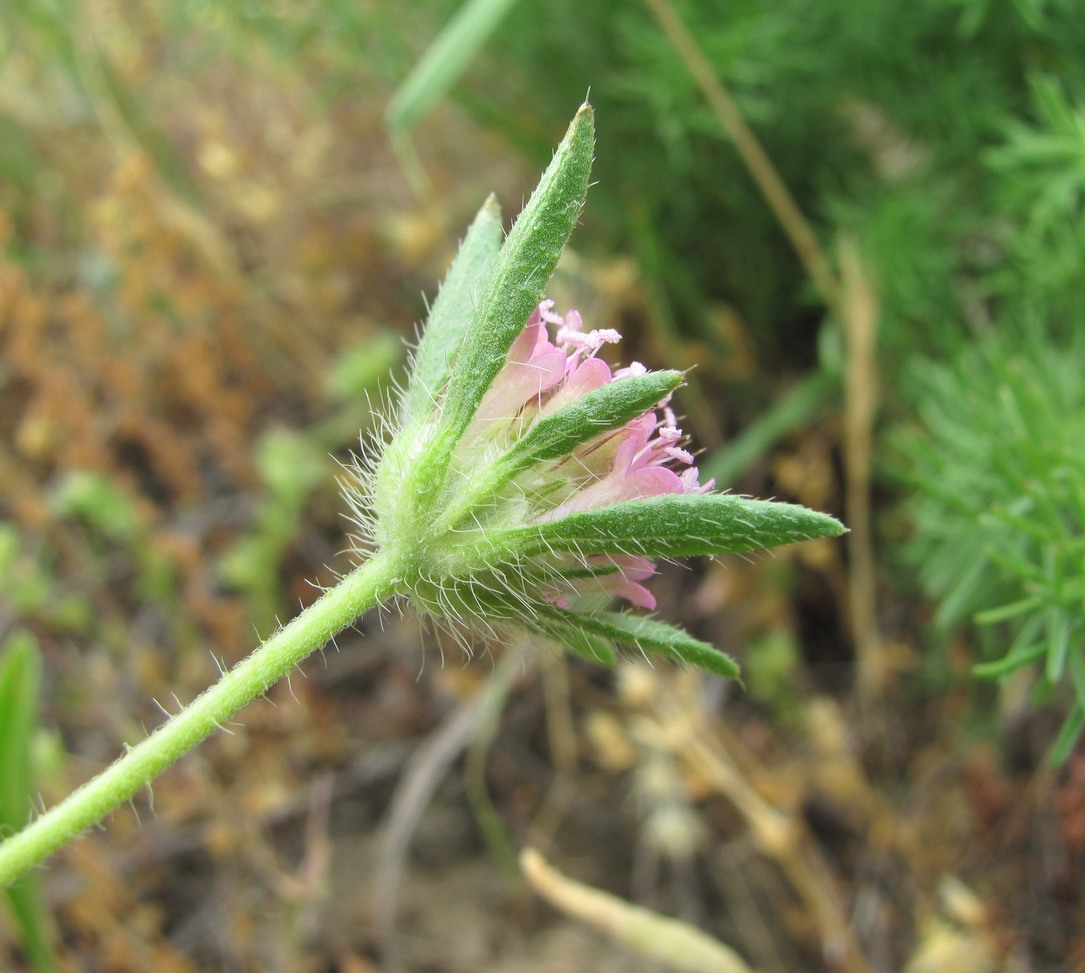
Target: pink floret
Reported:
[(543, 376), (533, 368)]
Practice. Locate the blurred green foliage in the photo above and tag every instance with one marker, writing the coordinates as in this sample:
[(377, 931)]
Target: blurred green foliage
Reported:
[(948, 138), (31, 590), (996, 472), (294, 465), (110, 516), (877, 122), (455, 47)]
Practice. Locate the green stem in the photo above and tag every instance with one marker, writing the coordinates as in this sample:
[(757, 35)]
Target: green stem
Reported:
[(375, 581)]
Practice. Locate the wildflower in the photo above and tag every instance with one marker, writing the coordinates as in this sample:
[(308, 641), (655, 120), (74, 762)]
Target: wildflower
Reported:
[(528, 482)]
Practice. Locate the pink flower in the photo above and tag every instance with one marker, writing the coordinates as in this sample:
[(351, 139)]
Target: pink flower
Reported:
[(616, 575), (646, 457), (533, 368)]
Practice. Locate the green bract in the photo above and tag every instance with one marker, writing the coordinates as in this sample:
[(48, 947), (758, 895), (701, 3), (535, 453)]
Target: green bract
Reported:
[(452, 312), (520, 274), (673, 526), (599, 411)]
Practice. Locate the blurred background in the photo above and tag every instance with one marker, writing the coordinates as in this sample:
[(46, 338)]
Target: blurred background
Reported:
[(859, 225)]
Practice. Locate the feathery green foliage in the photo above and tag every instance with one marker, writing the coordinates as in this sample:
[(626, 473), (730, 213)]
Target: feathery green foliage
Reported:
[(997, 476)]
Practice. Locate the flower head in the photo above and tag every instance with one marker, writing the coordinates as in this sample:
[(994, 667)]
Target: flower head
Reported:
[(529, 482)]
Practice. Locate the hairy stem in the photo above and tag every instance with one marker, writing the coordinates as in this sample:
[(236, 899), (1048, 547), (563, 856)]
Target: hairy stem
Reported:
[(372, 583)]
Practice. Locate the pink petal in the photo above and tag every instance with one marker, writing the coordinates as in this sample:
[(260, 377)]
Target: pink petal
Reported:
[(559, 598), (636, 435), (534, 366), (630, 567), (636, 594), (526, 341), (634, 567), (584, 378), (650, 481)]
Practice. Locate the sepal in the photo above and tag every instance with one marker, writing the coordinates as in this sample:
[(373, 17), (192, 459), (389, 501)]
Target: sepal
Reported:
[(522, 270), (673, 525), (458, 300), (647, 634), (571, 635), (555, 436)]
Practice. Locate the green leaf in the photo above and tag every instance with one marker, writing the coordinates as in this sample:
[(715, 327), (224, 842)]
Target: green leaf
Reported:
[(1058, 636), (444, 61), (522, 271), (1075, 720), (20, 678), (457, 303), (675, 525), (20, 674), (1010, 662), (1068, 736), (646, 634)]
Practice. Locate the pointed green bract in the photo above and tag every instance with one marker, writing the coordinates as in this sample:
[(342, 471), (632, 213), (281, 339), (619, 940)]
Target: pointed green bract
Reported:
[(522, 270), (648, 635), (601, 410), (458, 300), (675, 525)]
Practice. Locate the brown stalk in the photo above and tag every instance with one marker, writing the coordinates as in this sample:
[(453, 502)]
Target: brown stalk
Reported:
[(754, 157), (860, 321)]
